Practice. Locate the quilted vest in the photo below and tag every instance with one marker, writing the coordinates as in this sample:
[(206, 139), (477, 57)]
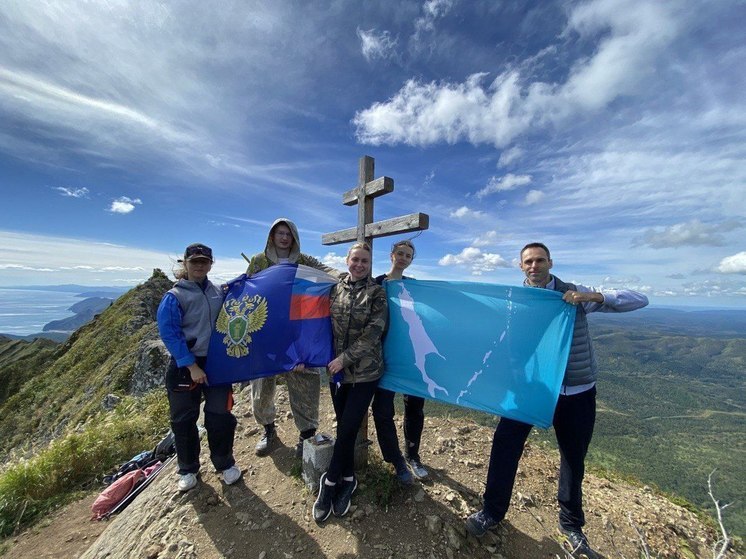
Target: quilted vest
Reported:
[(581, 364)]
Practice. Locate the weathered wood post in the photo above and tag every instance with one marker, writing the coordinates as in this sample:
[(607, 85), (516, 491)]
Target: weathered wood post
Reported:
[(366, 191)]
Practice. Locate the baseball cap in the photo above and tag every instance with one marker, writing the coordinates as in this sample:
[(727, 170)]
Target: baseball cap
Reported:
[(197, 250)]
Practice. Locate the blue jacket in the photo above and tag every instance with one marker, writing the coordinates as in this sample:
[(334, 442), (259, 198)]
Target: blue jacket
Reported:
[(186, 317)]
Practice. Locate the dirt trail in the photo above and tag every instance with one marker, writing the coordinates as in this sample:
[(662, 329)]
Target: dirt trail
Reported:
[(267, 514)]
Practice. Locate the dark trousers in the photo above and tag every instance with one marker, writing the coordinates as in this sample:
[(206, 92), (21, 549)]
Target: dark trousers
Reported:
[(351, 402), (573, 423), (414, 421), (220, 423), (383, 416)]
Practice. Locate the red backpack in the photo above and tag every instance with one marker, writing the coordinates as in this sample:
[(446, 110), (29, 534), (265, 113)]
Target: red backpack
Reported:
[(116, 493)]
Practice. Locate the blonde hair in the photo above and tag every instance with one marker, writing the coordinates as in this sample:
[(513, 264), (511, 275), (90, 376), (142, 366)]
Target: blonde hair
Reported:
[(359, 245), (179, 270)]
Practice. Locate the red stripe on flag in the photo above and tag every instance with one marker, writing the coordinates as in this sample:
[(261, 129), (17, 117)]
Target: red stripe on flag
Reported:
[(308, 306)]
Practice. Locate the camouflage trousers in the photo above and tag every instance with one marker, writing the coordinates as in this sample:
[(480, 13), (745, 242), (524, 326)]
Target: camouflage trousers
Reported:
[(303, 391)]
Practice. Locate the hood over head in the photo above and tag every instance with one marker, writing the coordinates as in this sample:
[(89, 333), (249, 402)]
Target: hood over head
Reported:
[(270, 251)]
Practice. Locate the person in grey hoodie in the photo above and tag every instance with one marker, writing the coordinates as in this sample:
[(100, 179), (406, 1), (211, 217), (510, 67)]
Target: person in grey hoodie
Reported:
[(304, 385), (186, 317)]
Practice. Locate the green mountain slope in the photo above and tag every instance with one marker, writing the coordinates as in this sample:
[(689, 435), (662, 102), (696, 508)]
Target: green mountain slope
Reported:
[(672, 409), (21, 360), (69, 387)]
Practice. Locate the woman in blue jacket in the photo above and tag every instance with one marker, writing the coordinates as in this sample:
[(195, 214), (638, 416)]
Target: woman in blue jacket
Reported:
[(186, 317)]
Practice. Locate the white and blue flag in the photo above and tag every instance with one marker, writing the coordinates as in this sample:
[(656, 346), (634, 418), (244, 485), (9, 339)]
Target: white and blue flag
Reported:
[(494, 348)]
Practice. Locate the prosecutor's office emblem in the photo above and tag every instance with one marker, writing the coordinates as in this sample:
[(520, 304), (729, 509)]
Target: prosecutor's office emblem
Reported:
[(238, 319)]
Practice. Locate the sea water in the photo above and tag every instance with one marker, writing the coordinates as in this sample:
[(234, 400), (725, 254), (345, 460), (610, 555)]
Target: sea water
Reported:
[(26, 311)]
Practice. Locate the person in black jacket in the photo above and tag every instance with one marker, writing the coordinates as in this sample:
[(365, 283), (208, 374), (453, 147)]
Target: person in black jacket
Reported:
[(402, 254)]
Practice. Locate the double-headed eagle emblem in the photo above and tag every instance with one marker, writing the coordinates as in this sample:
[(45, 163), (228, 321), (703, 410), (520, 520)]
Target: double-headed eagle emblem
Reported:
[(238, 319)]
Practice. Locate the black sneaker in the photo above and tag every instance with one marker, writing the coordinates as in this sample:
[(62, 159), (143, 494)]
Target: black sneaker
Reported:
[(479, 523), (342, 496), (267, 442), (577, 544), (403, 475), (322, 508)]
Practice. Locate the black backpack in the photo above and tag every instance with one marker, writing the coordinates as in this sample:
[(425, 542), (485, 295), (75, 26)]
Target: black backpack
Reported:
[(138, 462)]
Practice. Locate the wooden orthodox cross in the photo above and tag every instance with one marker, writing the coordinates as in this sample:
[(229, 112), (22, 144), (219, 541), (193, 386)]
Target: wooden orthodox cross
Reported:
[(363, 195)]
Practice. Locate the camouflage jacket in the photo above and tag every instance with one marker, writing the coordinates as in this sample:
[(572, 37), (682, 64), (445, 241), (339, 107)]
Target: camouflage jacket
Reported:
[(359, 314), (260, 262)]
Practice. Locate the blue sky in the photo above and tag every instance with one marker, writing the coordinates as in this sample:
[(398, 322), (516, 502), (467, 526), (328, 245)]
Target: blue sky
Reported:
[(614, 131)]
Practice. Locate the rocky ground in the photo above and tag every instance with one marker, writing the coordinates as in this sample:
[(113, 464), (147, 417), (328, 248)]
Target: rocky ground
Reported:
[(267, 514)]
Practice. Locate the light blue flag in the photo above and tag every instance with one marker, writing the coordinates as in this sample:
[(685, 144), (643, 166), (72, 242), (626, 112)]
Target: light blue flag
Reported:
[(494, 348)]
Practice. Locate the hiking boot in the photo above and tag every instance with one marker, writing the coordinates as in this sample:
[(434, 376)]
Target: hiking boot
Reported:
[(231, 475), (268, 441), (342, 496), (403, 475), (417, 468), (479, 523), (322, 508), (186, 482), (577, 544), (302, 437)]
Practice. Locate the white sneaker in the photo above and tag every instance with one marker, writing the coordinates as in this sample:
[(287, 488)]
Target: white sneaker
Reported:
[(187, 482), (231, 475), (418, 469)]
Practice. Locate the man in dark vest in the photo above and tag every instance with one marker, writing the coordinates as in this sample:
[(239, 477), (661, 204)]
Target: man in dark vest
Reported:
[(574, 415)]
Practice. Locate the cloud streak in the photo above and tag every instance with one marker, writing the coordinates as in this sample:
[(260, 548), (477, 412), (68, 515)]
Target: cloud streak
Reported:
[(503, 184), (72, 192)]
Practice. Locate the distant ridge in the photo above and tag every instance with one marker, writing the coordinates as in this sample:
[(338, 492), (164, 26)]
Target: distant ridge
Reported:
[(704, 323), (83, 290)]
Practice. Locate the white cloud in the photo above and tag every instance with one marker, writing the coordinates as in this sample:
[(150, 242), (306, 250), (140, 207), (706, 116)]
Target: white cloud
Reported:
[(472, 257), (510, 155), (222, 224), (629, 38), (334, 260), (466, 213), (714, 288), (123, 205), (88, 262), (534, 197), (376, 44), (72, 192), (19, 267), (432, 10), (488, 238), (690, 233), (613, 281), (503, 184), (735, 264)]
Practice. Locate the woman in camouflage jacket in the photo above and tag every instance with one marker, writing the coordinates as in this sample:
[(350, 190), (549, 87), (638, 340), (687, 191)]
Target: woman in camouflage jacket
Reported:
[(359, 314)]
